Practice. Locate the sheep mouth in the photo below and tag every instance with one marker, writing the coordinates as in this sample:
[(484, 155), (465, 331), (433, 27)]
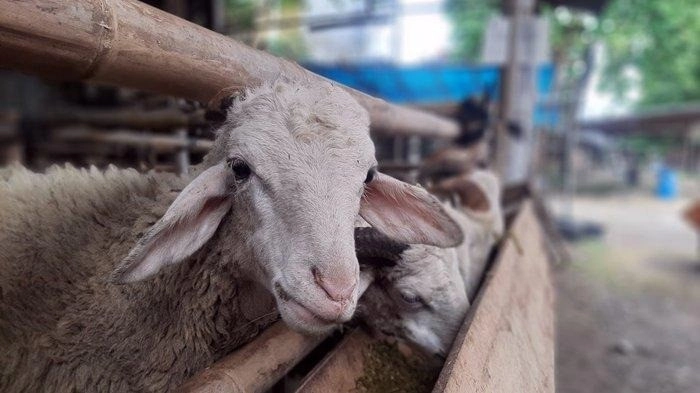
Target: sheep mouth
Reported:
[(300, 309)]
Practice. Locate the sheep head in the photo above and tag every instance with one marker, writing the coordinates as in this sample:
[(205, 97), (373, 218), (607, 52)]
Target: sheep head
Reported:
[(417, 293), (420, 293), (292, 167)]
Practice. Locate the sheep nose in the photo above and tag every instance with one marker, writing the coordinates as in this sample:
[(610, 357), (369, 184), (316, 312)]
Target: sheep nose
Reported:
[(335, 286)]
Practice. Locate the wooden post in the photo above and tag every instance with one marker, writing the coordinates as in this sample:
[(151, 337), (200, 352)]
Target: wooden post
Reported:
[(183, 153), (131, 44), (518, 95), (11, 144)]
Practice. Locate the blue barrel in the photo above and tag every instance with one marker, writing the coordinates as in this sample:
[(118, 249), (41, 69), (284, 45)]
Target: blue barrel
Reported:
[(667, 183)]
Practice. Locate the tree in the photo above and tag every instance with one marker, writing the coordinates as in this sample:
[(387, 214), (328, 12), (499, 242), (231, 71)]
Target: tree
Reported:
[(469, 19), (650, 44), (658, 38)]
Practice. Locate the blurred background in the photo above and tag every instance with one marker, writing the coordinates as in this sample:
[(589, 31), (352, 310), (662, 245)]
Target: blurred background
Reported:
[(596, 103)]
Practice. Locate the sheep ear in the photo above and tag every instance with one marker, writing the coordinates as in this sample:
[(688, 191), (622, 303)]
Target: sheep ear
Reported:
[(407, 213), (472, 195), (190, 221), (479, 192)]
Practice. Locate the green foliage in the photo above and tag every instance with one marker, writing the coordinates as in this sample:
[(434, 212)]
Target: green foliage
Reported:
[(571, 34), (469, 19), (653, 44), (291, 4), (290, 45), (660, 39), (240, 15)]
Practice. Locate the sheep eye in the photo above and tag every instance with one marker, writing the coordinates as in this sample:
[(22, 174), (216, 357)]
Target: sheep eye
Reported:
[(240, 169), (412, 300), (370, 175)]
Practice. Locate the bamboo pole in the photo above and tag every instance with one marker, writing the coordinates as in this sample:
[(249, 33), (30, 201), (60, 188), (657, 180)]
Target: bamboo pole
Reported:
[(131, 138), (257, 366), (159, 119), (131, 44)]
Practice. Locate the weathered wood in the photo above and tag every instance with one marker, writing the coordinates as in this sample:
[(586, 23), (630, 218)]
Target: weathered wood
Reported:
[(131, 44), (507, 341), (11, 143), (518, 93), (340, 369), (159, 119), (256, 366), (132, 138)]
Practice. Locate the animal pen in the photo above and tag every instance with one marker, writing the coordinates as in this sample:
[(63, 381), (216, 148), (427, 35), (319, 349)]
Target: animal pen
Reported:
[(505, 344)]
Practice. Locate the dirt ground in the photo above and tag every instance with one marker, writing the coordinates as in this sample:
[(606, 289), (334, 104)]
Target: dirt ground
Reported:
[(628, 306)]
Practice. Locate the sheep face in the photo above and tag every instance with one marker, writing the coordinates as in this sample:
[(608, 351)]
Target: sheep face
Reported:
[(422, 299), (294, 165), (308, 154), (422, 294)]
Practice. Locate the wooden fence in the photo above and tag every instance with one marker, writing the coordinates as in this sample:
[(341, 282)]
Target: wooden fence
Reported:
[(506, 341)]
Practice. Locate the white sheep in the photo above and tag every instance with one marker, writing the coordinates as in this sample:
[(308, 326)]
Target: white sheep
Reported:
[(421, 293), (267, 220)]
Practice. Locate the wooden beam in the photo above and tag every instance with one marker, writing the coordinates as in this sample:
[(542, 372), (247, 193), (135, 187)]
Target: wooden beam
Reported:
[(257, 365), (131, 44), (507, 341), (342, 368), (159, 119), (133, 138)]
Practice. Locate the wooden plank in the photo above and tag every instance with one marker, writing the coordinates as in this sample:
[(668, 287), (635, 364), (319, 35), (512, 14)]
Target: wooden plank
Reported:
[(132, 138), (507, 341), (340, 369), (158, 119), (256, 366), (131, 44)]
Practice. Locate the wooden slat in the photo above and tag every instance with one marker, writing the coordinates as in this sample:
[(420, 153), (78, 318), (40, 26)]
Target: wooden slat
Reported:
[(159, 119), (507, 341), (256, 366), (340, 369), (132, 138), (131, 44)]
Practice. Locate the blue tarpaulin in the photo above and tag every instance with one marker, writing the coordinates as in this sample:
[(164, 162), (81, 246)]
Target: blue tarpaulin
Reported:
[(432, 84)]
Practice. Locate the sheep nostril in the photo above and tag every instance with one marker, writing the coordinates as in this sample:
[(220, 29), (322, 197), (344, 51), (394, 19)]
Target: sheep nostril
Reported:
[(337, 289)]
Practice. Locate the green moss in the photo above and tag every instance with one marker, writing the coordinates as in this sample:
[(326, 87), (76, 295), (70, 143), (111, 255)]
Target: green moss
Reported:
[(388, 370)]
